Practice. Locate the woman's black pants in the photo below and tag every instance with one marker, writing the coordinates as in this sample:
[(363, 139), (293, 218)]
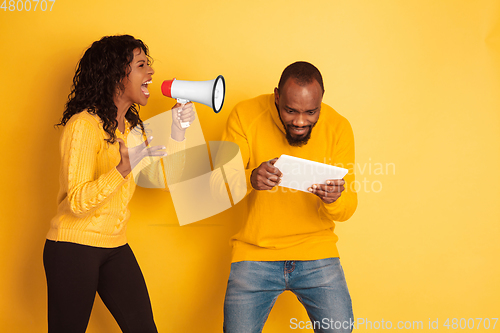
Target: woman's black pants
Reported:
[(75, 272)]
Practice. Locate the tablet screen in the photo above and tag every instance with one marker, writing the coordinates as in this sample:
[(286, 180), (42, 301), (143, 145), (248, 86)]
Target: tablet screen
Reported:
[(300, 174)]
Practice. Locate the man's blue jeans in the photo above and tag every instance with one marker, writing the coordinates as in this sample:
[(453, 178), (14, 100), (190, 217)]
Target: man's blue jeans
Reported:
[(254, 286)]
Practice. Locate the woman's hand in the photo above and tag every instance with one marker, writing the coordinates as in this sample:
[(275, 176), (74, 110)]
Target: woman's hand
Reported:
[(182, 113), (130, 157)]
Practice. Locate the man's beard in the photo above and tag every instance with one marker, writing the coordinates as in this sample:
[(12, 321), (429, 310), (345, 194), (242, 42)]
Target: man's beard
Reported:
[(295, 142), (298, 141)]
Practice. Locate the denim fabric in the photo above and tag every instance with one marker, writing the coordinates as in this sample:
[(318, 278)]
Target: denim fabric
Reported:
[(320, 285)]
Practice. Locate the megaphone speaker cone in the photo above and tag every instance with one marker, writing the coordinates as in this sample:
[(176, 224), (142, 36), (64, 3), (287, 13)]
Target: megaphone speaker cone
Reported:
[(219, 93), (210, 93)]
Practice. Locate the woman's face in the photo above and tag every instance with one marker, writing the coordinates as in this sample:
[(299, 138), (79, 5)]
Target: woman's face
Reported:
[(136, 83)]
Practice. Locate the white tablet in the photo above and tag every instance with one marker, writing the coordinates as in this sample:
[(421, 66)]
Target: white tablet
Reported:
[(300, 174)]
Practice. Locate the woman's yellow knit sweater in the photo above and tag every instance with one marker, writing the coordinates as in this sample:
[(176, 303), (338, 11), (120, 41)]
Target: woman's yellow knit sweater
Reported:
[(93, 196)]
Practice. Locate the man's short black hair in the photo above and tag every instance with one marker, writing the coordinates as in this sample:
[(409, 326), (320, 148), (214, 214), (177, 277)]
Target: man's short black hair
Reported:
[(303, 73)]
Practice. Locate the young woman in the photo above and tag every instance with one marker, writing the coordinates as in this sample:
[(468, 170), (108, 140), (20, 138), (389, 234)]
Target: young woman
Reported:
[(86, 248)]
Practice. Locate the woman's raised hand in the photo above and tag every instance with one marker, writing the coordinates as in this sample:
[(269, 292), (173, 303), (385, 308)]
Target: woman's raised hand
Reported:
[(130, 157), (182, 113)]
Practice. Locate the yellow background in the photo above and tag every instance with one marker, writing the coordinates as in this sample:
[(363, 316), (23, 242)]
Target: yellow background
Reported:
[(418, 80)]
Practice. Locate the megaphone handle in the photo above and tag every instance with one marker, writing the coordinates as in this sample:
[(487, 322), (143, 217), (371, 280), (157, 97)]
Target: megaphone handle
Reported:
[(183, 101)]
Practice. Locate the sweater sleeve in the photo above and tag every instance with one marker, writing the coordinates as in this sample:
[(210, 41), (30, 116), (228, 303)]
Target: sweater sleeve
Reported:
[(234, 132), (80, 145), (343, 208)]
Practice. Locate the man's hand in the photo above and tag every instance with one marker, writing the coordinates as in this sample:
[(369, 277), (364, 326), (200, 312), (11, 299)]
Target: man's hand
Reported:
[(330, 191), (266, 176)]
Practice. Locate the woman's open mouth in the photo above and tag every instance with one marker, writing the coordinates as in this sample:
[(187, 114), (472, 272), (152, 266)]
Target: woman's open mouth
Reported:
[(144, 87)]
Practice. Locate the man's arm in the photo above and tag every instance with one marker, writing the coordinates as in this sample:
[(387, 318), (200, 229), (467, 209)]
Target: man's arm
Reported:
[(339, 198), (236, 172)]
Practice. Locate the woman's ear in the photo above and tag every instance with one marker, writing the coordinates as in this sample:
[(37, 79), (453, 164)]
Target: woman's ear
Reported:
[(120, 87)]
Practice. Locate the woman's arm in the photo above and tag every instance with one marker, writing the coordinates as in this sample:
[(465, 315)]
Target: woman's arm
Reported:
[(80, 144), (160, 171)]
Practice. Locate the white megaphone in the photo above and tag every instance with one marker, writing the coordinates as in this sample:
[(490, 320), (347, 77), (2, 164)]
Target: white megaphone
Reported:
[(210, 93)]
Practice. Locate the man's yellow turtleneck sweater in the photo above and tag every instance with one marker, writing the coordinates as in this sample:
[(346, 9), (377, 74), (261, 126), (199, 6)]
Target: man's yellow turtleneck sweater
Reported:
[(93, 196), (283, 224)]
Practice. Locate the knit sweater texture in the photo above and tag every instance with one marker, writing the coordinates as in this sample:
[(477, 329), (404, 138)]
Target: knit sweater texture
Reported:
[(283, 224), (93, 196)]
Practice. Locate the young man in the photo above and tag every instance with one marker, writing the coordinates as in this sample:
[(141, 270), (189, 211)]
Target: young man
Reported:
[(287, 241)]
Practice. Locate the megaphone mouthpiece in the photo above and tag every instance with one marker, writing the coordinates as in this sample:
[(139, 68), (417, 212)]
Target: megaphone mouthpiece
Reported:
[(166, 88)]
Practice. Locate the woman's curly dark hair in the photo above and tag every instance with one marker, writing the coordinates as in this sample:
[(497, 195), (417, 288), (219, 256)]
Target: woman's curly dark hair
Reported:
[(100, 72)]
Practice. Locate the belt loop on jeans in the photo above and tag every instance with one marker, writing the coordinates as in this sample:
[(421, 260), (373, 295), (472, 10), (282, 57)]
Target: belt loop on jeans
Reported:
[(289, 266)]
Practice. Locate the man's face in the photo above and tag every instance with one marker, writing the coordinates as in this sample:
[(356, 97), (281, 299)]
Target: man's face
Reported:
[(299, 108)]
